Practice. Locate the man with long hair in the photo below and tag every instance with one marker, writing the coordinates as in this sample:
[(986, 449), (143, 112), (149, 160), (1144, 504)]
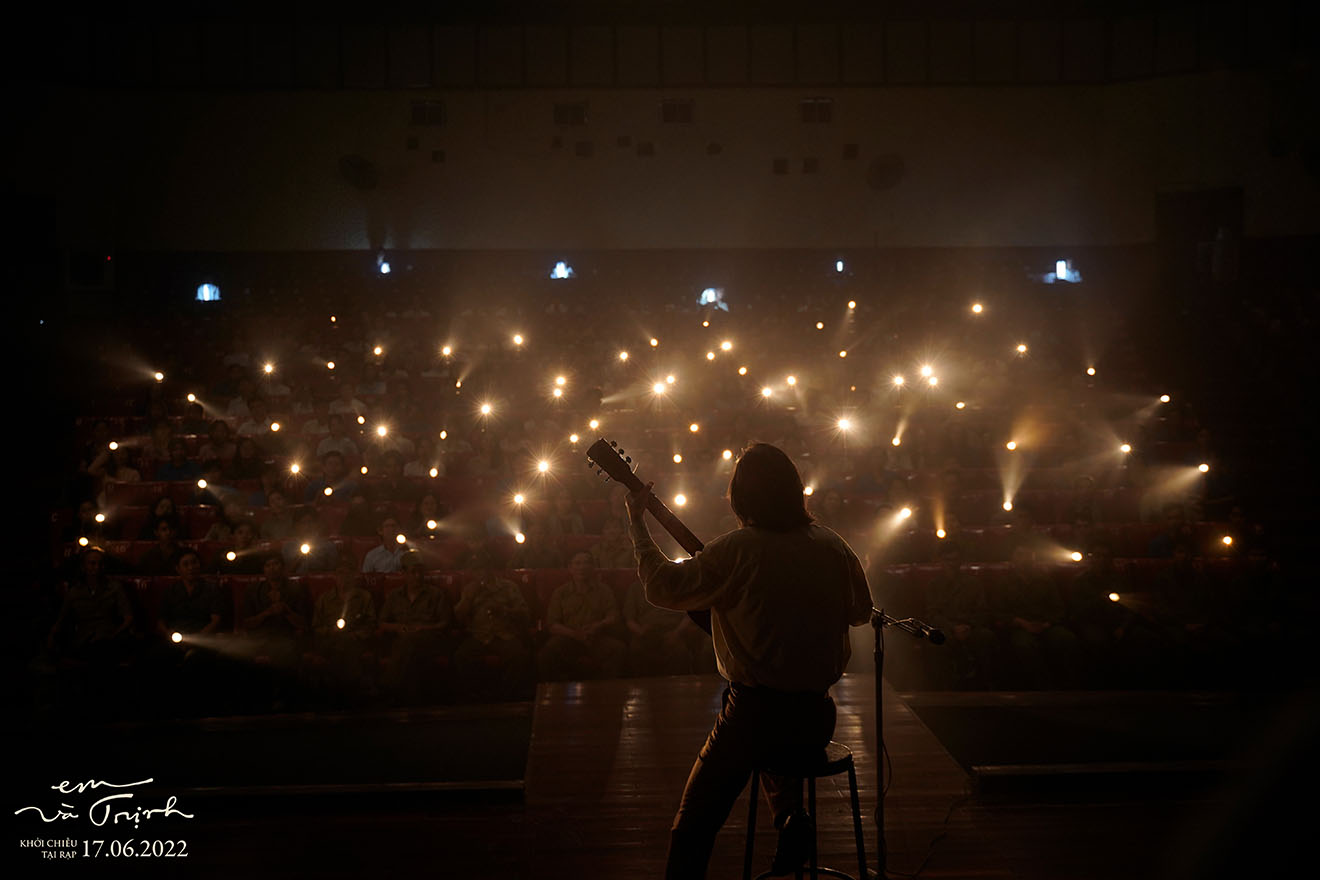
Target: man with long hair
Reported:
[(782, 592)]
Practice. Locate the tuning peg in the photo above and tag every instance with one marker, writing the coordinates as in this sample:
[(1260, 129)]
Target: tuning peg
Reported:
[(590, 463), (628, 458), (614, 443), (622, 450)]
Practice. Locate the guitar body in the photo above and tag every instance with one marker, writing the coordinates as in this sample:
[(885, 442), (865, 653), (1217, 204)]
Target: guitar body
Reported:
[(612, 462)]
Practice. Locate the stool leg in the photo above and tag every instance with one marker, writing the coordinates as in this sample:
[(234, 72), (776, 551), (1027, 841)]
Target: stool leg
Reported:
[(811, 810), (857, 823), (751, 825)]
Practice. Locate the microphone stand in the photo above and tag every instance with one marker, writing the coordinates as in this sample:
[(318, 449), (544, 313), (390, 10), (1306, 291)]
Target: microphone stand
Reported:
[(918, 630)]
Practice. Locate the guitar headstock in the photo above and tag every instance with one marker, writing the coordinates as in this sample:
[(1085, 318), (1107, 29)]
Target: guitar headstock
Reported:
[(614, 463)]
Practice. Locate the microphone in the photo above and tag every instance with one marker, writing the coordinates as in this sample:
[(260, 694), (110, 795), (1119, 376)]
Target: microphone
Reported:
[(936, 636)]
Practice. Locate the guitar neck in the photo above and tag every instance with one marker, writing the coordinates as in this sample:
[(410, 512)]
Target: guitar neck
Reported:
[(674, 526)]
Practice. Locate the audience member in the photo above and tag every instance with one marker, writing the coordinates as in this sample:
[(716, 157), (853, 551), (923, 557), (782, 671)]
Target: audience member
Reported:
[(582, 619)]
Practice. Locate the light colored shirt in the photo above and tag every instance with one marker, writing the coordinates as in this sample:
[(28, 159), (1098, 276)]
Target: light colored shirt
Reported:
[(781, 602), (383, 559), (342, 445)]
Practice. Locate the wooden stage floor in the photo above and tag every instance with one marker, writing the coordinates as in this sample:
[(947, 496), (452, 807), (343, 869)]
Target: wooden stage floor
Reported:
[(606, 765)]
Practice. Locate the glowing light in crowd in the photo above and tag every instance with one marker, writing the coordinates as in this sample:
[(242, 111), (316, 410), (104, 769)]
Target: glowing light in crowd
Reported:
[(364, 470), (1022, 348), (670, 379), (100, 517), (333, 319), (905, 513), (1075, 556), (447, 350), (268, 369), (381, 430), (852, 304), (933, 381), (977, 308), (1203, 468), (726, 345), (623, 355), (160, 377), (561, 271), (486, 409), (927, 370), (192, 398), (593, 424), (694, 427), (899, 380), (654, 342), (940, 533), (294, 468), (838, 265), (378, 351), (176, 637), (1008, 505), (275, 426), (231, 556), (1125, 448), (561, 381), (572, 438), (329, 365), (678, 458), (340, 623), (1227, 540), (659, 388), (328, 491), (401, 539), (897, 441), (201, 484), (517, 339), (808, 490), (742, 371), (362, 420), (305, 549), (680, 499), (435, 472), (458, 384), (960, 405), (431, 524), (519, 498), (543, 466), (820, 325), (1113, 597), (1164, 398), (843, 353), (791, 380), (519, 537), (844, 424), (82, 542), (113, 446), (767, 391), (1090, 371), (727, 454), (710, 355), (557, 393), (444, 435), (1011, 445)]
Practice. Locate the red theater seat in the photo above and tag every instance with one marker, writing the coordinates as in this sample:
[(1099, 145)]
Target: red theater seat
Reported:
[(140, 494)]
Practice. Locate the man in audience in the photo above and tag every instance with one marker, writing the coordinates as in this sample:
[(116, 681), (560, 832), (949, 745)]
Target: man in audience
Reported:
[(582, 620), (388, 555), (614, 549), (163, 557), (1045, 652), (415, 619), (394, 486), (494, 661), (177, 468), (241, 557), (95, 618), (343, 625), (337, 439), (335, 477), (258, 419), (663, 642), (280, 520), (308, 549), (957, 605)]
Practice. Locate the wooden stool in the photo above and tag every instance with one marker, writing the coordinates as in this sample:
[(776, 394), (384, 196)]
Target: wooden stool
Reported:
[(835, 759)]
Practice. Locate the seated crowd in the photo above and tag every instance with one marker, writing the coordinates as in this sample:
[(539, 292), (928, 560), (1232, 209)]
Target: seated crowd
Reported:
[(377, 534)]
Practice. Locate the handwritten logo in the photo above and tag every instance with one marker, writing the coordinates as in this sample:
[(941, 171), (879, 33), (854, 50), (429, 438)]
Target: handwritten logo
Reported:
[(112, 808)]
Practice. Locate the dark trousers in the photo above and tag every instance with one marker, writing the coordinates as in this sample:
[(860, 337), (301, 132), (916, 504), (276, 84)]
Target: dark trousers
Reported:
[(756, 726)]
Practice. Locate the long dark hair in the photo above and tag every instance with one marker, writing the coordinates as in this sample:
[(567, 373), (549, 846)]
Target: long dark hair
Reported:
[(766, 490)]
